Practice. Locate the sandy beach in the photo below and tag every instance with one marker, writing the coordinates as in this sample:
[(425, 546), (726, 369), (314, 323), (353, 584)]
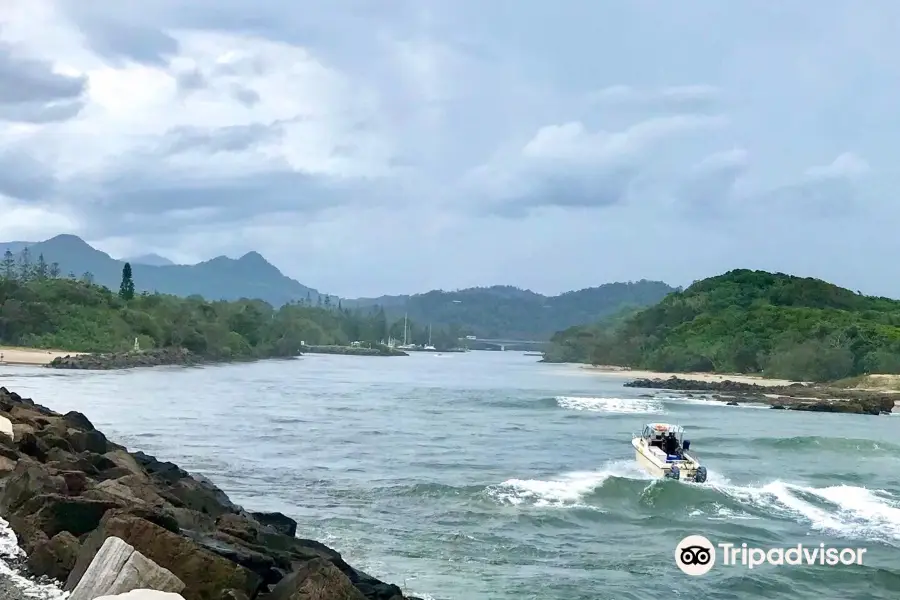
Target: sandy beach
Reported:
[(639, 374), (29, 356)]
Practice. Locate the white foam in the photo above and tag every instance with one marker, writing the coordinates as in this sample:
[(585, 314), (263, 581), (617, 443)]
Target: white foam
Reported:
[(611, 405), (855, 512), (9, 550), (566, 491)]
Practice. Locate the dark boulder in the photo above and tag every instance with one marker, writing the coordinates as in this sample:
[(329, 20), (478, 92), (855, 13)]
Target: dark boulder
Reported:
[(279, 522), (55, 557)]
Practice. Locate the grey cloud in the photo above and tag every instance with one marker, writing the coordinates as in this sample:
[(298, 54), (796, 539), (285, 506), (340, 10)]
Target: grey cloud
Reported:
[(236, 138), (23, 177), (24, 80), (190, 80), (569, 167), (122, 30), (38, 112), (245, 96)]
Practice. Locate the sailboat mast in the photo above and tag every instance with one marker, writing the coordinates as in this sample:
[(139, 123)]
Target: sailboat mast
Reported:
[(405, 328)]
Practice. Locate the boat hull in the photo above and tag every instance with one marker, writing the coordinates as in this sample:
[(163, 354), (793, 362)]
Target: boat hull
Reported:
[(654, 462)]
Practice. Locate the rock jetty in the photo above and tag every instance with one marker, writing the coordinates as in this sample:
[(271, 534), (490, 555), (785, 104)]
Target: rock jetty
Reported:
[(796, 396), (127, 360), (66, 489)]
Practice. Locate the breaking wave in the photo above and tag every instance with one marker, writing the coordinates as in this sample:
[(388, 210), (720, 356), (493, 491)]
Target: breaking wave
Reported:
[(846, 511)]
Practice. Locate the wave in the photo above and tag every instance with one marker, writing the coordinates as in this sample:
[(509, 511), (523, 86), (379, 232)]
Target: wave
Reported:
[(842, 510), (847, 511), (814, 443), (620, 406), (568, 490)]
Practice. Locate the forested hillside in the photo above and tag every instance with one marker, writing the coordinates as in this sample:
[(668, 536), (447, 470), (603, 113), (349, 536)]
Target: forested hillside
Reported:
[(512, 313), (750, 322), (39, 308)]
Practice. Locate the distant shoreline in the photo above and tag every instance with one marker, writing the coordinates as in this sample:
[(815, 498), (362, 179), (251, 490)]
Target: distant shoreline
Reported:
[(37, 357), (708, 377)]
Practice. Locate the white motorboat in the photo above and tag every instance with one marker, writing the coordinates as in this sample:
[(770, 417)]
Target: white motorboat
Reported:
[(662, 451)]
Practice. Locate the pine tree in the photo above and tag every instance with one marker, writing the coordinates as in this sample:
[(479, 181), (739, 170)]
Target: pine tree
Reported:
[(42, 269), (25, 269), (87, 278), (126, 289), (54, 270), (308, 299), (327, 300), (8, 266)]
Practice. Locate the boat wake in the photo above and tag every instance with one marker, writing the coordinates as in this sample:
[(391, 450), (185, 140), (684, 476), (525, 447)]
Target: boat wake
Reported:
[(845, 511)]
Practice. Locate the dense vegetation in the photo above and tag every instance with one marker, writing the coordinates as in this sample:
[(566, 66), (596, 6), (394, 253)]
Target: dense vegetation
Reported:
[(510, 313), (749, 322), (38, 308)]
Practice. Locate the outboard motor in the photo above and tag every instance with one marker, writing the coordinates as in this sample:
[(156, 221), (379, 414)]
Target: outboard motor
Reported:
[(675, 473), (686, 445), (700, 475)]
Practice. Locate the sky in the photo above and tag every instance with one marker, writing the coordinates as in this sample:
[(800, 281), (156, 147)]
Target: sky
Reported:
[(390, 147)]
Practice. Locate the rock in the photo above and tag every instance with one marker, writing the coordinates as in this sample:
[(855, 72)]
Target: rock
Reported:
[(66, 489), (118, 568), (78, 421), (127, 360), (56, 557), (316, 579), (732, 403), (28, 480), (88, 441), (277, 521), (143, 595), (139, 572), (6, 427), (99, 574), (203, 573)]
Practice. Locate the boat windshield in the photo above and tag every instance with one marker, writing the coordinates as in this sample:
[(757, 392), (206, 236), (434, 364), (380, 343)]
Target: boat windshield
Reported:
[(652, 430)]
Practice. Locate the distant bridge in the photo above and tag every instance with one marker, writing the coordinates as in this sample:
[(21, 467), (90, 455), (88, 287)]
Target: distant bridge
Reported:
[(501, 344)]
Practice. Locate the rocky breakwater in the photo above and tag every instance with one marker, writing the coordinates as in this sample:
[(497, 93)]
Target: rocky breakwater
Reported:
[(65, 488), (127, 360), (796, 396)]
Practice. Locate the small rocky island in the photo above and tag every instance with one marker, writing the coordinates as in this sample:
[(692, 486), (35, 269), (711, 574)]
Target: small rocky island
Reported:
[(66, 489), (797, 396)]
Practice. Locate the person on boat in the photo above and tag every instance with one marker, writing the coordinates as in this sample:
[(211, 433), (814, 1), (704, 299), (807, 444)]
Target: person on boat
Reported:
[(671, 444)]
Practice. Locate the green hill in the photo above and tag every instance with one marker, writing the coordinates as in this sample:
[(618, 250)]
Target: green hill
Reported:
[(512, 313), (749, 322), (71, 314)]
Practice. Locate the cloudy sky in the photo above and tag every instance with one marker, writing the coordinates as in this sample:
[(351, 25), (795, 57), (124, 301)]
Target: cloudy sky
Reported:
[(393, 146)]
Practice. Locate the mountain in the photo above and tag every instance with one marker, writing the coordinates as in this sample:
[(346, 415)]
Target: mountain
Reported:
[(506, 312), (151, 260), (222, 278), (750, 322), (488, 312)]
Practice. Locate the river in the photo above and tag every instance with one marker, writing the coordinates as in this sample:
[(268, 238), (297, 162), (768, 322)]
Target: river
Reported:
[(488, 475)]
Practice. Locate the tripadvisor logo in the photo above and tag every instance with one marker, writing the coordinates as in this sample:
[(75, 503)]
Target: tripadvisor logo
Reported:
[(696, 555)]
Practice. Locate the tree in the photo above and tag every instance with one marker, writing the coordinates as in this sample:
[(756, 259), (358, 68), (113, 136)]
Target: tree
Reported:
[(126, 289), (42, 269), (54, 270), (308, 299), (327, 300), (8, 266), (88, 278), (25, 265)]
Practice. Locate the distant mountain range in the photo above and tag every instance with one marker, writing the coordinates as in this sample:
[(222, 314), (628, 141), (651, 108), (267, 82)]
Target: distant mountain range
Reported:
[(491, 312), (221, 278)]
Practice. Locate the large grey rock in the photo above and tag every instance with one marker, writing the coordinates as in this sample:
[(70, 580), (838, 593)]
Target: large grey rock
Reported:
[(103, 570), (139, 572), (118, 568), (142, 595)]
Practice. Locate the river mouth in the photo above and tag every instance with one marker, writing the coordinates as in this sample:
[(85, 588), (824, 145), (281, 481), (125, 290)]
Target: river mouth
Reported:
[(488, 475)]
